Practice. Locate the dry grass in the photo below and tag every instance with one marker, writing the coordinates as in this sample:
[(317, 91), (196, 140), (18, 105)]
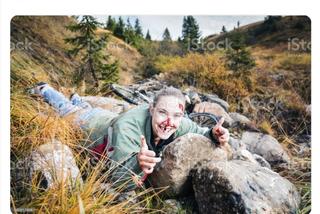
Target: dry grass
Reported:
[(34, 123), (298, 171), (206, 72), (266, 127)]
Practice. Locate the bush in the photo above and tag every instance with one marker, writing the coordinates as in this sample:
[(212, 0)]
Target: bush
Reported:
[(203, 71)]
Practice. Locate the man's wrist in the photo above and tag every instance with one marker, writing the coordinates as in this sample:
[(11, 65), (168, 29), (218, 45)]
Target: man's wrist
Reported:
[(214, 137)]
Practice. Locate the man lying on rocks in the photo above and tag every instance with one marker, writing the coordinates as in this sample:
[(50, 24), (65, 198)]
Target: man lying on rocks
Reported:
[(134, 139)]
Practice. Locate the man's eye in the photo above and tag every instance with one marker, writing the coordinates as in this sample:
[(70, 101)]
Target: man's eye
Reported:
[(162, 112)]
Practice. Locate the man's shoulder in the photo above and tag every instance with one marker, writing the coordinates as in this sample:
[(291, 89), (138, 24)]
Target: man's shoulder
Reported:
[(134, 116), (189, 126)]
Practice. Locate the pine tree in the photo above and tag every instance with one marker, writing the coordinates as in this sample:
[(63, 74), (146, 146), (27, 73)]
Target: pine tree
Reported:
[(190, 33), (119, 29), (111, 24), (138, 28), (239, 59), (129, 33), (166, 35), (129, 26), (148, 36), (91, 47), (238, 24), (223, 30)]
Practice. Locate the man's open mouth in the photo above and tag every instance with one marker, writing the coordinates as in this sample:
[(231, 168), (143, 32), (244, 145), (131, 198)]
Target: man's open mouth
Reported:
[(165, 129)]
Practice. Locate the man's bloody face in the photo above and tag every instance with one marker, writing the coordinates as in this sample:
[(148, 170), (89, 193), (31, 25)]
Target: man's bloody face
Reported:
[(166, 116)]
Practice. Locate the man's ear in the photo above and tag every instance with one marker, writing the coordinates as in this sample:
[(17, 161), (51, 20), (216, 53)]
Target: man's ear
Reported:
[(151, 108)]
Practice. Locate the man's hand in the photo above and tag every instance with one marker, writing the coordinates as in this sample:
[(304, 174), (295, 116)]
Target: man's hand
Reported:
[(222, 134), (147, 159)]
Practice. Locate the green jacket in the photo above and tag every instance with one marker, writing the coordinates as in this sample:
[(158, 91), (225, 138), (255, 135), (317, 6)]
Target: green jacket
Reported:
[(125, 140)]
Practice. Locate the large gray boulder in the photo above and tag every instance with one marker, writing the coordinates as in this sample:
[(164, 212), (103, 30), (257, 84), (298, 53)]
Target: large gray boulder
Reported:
[(266, 146), (55, 163), (242, 187), (236, 144), (178, 158)]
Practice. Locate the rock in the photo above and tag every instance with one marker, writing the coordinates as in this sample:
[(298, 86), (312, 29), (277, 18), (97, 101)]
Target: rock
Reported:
[(278, 77), (242, 122), (192, 97), (236, 144), (304, 150), (55, 163), (245, 155), (178, 158), (262, 161), (242, 187), (171, 206), (215, 109), (129, 197), (308, 110), (239, 152), (303, 139), (239, 118), (266, 146), (217, 100)]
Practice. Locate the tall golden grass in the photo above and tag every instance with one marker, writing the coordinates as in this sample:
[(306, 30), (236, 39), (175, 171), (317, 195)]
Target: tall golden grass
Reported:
[(34, 123)]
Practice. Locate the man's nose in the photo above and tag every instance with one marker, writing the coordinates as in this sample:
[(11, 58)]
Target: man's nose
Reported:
[(169, 121)]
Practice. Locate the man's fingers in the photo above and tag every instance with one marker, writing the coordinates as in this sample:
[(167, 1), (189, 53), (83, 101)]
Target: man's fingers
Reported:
[(196, 108), (147, 170), (144, 145), (222, 138), (203, 107), (220, 122), (222, 143), (147, 164), (149, 159), (149, 153)]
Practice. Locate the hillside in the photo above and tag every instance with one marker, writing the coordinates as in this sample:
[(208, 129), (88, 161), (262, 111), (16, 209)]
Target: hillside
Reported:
[(275, 95), (272, 33), (38, 52)]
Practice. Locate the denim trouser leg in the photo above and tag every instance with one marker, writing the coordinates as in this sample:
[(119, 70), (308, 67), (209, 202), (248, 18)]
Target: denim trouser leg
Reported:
[(93, 121), (58, 101), (78, 101)]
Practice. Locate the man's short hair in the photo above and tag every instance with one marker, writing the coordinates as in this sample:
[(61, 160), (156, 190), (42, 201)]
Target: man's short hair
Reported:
[(169, 91)]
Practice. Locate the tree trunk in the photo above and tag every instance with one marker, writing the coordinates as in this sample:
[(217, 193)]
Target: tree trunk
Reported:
[(92, 70)]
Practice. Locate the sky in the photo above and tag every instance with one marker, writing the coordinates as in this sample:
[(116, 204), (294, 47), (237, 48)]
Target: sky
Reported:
[(208, 24)]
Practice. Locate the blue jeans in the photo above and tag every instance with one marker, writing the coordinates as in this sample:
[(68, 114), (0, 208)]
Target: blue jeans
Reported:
[(94, 121)]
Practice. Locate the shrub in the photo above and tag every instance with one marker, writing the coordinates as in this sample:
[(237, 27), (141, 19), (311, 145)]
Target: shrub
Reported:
[(204, 71)]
